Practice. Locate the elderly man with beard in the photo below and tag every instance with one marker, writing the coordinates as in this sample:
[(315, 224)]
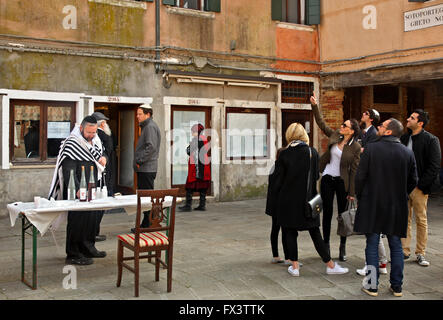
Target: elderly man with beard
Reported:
[(105, 135), (81, 149)]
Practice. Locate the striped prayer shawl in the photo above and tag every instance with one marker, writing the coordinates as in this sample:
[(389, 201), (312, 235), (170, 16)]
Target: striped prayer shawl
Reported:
[(75, 148)]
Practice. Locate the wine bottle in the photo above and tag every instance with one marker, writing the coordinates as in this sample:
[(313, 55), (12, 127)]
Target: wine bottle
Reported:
[(83, 188), (104, 188), (71, 186), (91, 185)]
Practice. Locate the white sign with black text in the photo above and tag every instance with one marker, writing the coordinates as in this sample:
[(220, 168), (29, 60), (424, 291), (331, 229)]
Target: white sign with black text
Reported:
[(424, 18)]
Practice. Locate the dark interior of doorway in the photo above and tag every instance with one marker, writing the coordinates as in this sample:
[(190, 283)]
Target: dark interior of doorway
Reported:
[(111, 111)]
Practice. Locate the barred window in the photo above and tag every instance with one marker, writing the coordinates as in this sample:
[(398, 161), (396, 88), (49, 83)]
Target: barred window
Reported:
[(296, 91)]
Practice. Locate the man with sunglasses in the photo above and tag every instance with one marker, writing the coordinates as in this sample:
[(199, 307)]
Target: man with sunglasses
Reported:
[(426, 148), (368, 123)]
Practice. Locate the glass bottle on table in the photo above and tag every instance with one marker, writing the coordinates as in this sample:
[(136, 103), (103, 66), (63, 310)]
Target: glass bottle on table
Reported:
[(104, 188), (71, 186), (91, 185), (83, 188)]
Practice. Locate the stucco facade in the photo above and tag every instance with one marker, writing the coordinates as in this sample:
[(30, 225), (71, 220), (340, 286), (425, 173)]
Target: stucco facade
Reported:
[(103, 54)]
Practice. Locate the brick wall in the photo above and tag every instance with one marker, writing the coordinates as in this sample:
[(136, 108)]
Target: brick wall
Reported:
[(331, 103)]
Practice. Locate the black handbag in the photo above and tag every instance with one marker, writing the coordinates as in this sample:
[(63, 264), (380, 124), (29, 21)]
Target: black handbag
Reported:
[(314, 205)]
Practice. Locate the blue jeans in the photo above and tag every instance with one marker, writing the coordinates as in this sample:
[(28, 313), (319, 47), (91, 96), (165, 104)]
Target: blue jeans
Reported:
[(397, 262)]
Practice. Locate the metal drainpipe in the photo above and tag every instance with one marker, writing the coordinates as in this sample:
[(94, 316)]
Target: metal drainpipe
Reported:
[(157, 35)]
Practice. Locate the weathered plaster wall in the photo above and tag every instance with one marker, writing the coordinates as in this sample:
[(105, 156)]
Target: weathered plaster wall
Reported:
[(342, 34)]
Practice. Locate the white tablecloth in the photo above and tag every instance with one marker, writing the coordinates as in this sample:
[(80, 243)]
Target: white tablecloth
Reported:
[(52, 213)]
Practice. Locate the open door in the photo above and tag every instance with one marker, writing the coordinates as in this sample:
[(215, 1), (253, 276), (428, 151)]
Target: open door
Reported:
[(125, 132), (304, 117), (128, 136)]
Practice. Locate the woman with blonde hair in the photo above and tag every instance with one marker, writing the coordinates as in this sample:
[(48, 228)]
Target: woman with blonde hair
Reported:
[(290, 194)]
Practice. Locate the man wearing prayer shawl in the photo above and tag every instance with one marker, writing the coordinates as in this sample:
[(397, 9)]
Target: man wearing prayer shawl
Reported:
[(81, 148)]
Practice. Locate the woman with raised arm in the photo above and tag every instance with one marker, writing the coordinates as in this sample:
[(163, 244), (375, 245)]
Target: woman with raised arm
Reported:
[(338, 166)]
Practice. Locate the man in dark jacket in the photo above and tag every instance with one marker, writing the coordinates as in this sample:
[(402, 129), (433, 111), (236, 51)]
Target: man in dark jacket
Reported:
[(385, 177), (146, 153), (426, 148), (369, 121)]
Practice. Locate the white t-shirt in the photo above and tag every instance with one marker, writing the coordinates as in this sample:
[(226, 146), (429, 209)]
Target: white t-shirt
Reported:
[(333, 167)]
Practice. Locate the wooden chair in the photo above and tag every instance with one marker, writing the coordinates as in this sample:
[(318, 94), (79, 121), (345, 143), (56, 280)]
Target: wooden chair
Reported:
[(153, 240)]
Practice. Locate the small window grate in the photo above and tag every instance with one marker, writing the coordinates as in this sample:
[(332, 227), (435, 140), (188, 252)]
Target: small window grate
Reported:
[(296, 91)]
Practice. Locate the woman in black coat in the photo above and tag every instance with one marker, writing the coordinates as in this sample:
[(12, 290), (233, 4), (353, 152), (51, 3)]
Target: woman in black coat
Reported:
[(289, 194), (275, 228)]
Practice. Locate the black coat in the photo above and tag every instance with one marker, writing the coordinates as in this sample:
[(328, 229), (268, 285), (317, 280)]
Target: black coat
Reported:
[(369, 136), (385, 177), (111, 165), (427, 152), (289, 186)]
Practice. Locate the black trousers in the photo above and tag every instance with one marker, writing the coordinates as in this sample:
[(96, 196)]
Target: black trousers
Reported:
[(275, 229), (145, 180), (292, 246), (99, 217), (329, 187), (80, 233)]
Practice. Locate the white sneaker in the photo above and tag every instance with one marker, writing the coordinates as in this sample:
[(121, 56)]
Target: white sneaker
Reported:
[(293, 272), (337, 269), (422, 261), (362, 271)]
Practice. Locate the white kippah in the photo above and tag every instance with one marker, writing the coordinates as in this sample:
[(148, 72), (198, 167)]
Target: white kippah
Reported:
[(376, 112), (145, 106)]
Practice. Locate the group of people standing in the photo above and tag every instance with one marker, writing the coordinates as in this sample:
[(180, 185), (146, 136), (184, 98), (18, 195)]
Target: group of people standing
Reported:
[(389, 173)]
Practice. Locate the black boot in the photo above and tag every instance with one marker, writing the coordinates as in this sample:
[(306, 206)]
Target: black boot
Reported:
[(342, 252), (202, 205), (188, 204)]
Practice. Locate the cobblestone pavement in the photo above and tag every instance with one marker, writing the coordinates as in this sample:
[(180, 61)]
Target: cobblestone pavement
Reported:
[(224, 254)]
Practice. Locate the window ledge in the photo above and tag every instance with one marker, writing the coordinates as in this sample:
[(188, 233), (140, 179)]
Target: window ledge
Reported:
[(31, 166), (191, 12), (295, 26), (123, 3)]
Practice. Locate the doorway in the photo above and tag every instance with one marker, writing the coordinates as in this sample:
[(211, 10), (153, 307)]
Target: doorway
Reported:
[(182, 119), (125, 132), (304, 117)]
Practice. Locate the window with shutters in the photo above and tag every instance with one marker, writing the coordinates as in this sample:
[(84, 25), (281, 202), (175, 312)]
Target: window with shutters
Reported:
[(296, 91), (296, 11)]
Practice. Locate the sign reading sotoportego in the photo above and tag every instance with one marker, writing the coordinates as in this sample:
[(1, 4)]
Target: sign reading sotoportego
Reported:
[(424, 18)]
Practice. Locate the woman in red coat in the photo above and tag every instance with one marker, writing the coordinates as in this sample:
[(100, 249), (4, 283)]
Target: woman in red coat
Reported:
[(199, 169)]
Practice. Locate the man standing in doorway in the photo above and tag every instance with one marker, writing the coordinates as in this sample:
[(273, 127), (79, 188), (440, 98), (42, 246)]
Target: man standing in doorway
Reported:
[(385, 176), (146, 152), (426, 148)]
